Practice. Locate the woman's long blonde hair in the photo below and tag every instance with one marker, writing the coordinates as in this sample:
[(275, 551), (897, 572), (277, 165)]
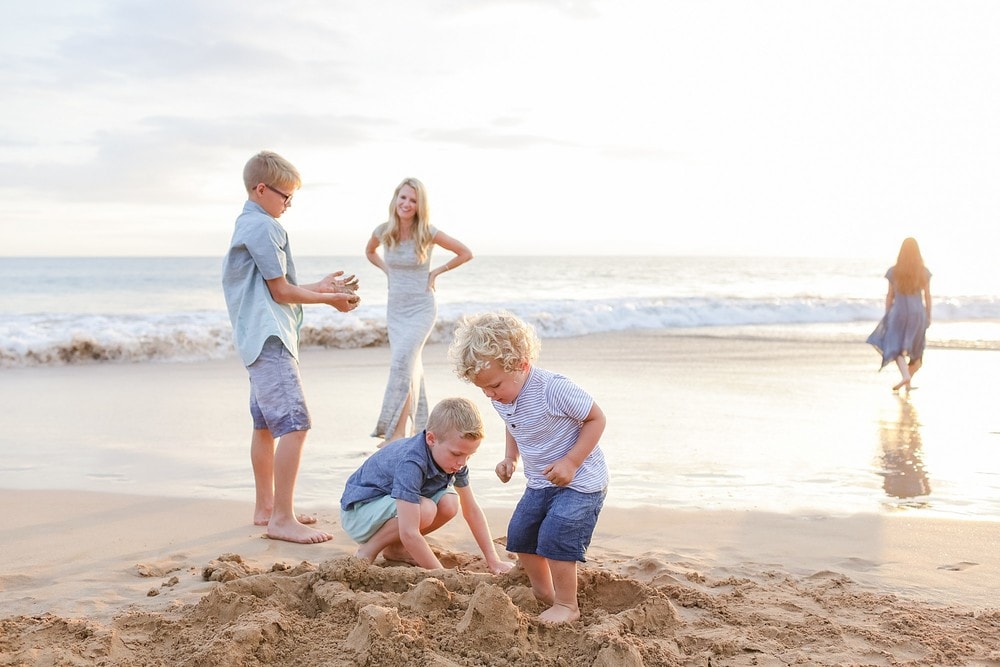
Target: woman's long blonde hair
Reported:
[(422, 228), (909, 274)]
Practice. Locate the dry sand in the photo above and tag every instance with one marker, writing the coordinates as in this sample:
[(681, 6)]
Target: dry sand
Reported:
[(103, 579)]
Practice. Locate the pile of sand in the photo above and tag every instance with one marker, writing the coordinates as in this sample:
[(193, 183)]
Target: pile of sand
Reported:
[(642, 611)]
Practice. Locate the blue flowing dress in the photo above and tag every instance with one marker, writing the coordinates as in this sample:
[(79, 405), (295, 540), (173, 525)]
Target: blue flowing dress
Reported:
[(410, 315), (903, 329)]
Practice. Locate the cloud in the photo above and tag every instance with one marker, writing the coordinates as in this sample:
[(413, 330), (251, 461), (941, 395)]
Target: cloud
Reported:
[(488, 138), (132, 166), (781, 117)]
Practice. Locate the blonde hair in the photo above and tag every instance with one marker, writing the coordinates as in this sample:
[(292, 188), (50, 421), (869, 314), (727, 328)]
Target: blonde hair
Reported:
[(271, 169), (456, 414), (422, 237), (909, 274), (484, 338)]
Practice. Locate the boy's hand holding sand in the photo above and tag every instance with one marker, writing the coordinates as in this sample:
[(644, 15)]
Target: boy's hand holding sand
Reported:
[(338, 283), (265, 300)]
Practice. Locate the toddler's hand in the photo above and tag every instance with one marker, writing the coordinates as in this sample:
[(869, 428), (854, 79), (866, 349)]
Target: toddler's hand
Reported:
[(505, 470), (560, 473)]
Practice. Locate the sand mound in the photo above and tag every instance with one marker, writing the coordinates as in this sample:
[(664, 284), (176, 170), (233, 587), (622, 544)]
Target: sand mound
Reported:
[(347, 612)]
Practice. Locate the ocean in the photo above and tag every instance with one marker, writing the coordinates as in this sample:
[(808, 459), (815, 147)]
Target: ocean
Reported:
[(137, 310)]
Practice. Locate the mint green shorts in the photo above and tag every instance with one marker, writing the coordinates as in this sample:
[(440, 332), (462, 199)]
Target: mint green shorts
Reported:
[(364, 519)]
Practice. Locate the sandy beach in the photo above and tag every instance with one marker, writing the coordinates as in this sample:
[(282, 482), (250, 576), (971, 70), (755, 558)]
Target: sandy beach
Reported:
[(109, 571)]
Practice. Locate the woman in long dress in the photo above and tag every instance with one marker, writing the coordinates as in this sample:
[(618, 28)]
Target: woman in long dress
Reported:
[(901, 335), (408, 240)]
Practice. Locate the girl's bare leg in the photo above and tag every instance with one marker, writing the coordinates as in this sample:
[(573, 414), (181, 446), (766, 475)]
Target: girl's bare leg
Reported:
[(904, 371)]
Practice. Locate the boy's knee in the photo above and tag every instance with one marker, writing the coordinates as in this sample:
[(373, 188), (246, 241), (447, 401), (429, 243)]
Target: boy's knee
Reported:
[(447, 507), (428, 512)]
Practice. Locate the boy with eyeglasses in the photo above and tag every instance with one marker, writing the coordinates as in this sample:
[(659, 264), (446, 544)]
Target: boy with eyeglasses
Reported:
[(265, 307)]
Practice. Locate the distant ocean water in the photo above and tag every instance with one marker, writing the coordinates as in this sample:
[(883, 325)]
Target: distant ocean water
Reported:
[(98, 310)]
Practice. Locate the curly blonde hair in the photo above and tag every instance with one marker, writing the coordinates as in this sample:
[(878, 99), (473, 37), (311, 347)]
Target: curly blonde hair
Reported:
[(484, 338)]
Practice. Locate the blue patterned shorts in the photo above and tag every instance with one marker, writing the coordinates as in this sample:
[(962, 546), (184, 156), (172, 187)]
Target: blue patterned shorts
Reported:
[(277, 402)]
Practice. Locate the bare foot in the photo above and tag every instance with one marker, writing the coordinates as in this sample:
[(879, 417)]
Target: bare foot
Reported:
[(544, 598), (397, 554), (559, 613), (293, 531), (901, 384), (262, 519)]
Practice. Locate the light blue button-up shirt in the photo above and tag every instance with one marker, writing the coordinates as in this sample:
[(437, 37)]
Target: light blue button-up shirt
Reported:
[(258, 252)]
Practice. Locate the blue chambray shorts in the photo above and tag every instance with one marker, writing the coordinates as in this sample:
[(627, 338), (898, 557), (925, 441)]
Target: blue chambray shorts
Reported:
[(364, 519), (555, 522), (277, 402)]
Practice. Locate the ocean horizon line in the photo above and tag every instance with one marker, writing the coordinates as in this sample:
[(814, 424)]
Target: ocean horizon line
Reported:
[(310, 255)]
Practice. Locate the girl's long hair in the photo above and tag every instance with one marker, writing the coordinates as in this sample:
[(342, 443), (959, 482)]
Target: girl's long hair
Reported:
[(422, 227), (909, 274)]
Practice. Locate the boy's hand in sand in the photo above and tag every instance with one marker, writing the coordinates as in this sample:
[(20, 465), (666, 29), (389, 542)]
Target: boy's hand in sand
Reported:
[(500, 567), (505, 469), (561, 472)]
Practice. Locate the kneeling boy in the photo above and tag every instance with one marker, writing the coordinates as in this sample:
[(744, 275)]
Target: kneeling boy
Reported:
[(414, 486)]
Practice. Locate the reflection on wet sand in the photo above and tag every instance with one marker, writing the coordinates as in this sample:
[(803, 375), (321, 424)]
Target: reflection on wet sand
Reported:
[(903, 472)]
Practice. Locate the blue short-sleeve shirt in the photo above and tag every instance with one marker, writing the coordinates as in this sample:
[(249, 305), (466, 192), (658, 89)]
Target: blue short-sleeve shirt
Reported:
[(259, 251), (403, 469)]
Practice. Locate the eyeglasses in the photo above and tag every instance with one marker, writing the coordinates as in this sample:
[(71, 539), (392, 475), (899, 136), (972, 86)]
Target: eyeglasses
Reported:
[(288, 198)]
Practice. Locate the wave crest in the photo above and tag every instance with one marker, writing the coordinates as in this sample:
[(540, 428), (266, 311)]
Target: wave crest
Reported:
[(48, 339)]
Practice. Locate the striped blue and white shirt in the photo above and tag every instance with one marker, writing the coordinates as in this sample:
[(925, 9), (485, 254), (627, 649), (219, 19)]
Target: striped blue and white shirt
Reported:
[(545, 420)]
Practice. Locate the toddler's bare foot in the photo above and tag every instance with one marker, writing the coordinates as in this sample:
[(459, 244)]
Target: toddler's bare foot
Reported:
[(559, 613), (293, 531), (543, 597)]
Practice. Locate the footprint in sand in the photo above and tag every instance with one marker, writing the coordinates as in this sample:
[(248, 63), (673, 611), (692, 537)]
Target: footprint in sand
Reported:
[(957, 567)]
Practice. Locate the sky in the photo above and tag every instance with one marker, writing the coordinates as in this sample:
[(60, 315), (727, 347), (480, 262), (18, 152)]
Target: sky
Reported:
[(730, 127)]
